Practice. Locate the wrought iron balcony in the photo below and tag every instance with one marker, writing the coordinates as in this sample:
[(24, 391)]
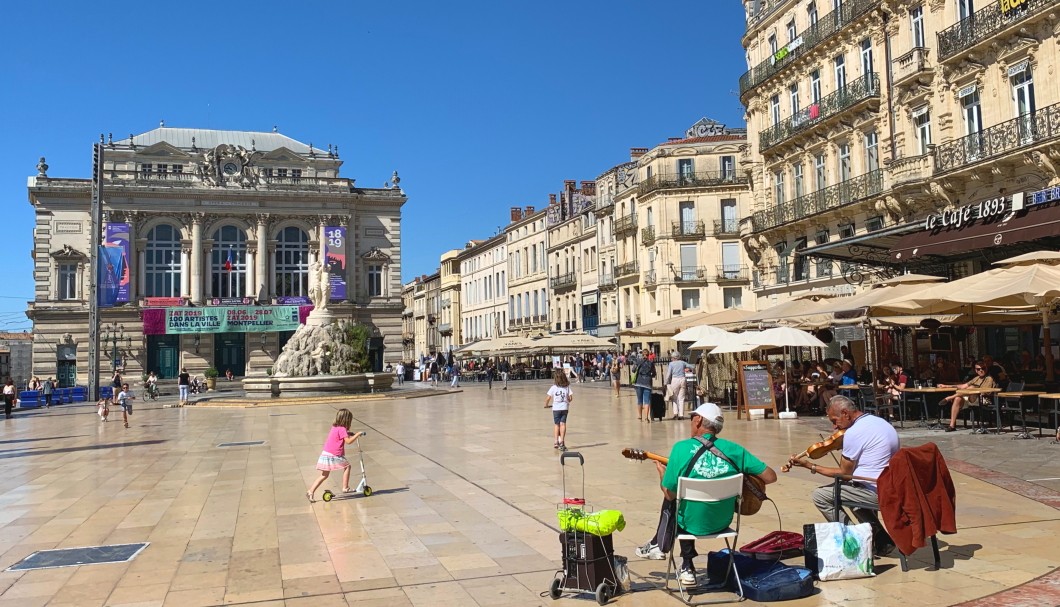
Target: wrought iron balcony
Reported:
[(604, 206), (765, 9), (867, 87), (832, 197), (1025, 131), (985, 24), (694, 179), (687, 229), (626, 269), (725, 228), (826, 27), (728, 273), (625, 225), (563, 281), (445, 328), (647, 235), (649, 278), (691, 274), (911, 64), (606, 282)]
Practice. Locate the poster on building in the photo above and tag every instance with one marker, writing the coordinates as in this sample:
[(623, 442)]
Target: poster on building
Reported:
[(335, 253), (233, 319), (116, 260)]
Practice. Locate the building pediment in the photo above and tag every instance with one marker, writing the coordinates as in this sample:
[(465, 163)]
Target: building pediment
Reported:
[(282, 155), (164, 150), (374, 255), (68, 253)]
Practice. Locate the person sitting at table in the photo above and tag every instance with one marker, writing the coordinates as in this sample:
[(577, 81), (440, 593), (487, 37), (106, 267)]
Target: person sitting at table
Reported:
[(946, 371), (958, 402), (996, 371), (896, 382), (849, 376)]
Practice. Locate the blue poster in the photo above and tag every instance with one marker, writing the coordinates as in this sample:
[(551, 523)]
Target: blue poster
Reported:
[(111, 270), (335, 253), (117, 237)]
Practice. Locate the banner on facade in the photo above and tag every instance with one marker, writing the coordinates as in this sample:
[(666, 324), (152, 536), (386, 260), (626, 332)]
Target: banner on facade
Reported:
[(233, 319), (163, 302), (114, 276), (293, 300), (335, 254), (230, 301)]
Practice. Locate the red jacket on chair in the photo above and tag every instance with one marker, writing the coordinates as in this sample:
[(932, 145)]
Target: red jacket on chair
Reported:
[(917, 498)]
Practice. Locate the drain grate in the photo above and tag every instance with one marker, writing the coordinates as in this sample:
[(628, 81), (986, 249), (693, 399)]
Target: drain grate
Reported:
[(72, 557), (249, 443)]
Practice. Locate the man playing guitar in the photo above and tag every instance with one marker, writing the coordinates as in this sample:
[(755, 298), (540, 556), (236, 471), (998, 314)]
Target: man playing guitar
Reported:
[(694, 517)]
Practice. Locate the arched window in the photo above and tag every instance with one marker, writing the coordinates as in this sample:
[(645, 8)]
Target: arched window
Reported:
[(162, 265), (292, 262), (229, 262)]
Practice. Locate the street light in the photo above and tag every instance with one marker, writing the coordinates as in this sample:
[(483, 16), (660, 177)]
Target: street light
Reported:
[(114, 334)]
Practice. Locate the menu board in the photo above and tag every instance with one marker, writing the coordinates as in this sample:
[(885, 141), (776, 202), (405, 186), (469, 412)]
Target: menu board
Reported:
[(756, 388)]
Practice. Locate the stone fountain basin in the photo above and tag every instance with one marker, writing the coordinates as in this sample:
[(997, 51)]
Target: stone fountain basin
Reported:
[(316, 385)]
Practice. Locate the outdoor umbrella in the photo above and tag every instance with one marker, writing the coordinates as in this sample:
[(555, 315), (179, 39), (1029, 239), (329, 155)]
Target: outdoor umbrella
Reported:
[(497, 345), (574, 342), (701, 332)]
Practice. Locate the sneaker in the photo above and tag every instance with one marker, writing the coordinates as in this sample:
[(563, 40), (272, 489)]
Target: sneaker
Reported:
[(950, 429), (650, 551), (687, 577)]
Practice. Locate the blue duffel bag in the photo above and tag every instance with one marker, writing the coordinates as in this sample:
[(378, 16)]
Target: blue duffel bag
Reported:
[(763, 581)]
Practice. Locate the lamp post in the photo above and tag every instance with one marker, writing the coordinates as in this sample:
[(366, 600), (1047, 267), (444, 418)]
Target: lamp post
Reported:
[(114, 334)]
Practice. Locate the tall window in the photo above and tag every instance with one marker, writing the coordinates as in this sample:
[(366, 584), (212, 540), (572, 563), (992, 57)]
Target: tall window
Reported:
[(67, 281), (729, 221), (689, 299), (728, 167), (916, 24), (1023, 99), (922, 129), (844, 162), (772, 44), (732, 296), (824, 266), (229, 262), (797, 174), (815, 86), (375, 280), (292, 263), (811, 12), (866, 57), (163, 262), (872, 151), (965, 9), (791, 31), (685, 169), (778, 187), (973, 120), (840, 67), (793, 97), (774, 109), (820, 173)]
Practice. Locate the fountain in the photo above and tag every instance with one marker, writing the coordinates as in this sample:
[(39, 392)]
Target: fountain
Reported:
[(324, 356)]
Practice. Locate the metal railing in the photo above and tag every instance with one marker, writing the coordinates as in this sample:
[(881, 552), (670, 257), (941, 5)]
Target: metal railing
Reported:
[(647, 235), (984, 24), (826, 27), (626, 269), (832, 197), (765, 9), (445, 328), (694, 179), (830, 105), (563, 281), (607, 281), (731, 273), (691, 274), (911, 63), (625, 224), (687, 229), (604, 205), (723, 227), (1014, 134), (649, 278)]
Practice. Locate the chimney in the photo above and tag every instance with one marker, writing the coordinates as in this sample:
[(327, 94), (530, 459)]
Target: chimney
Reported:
[(551, 199), (588, 188), (635, 153), (569, 185), (529, 211), (517, 214)]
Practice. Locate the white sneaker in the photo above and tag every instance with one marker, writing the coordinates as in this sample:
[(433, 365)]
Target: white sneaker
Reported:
[(687, 577), (650, 551)]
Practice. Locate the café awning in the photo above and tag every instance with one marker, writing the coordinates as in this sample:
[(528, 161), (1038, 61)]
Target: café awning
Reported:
[(872, 247)]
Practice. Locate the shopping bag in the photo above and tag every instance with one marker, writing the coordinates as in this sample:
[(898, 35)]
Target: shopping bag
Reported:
[(835, 551)]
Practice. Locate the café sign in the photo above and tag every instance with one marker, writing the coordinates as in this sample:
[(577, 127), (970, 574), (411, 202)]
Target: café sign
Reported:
[(1010, 6), (962, 216)]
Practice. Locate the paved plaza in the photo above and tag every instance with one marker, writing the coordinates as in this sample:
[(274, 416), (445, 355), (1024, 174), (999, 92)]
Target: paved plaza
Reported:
[(464, 510)]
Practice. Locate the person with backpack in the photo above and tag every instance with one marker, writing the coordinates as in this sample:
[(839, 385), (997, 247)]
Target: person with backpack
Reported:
[(644, 373)]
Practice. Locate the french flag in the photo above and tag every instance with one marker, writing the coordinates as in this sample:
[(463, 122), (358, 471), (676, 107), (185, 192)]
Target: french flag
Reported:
[(229, 261)]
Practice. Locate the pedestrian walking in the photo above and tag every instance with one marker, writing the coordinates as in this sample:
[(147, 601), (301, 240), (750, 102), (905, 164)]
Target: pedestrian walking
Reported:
[(616, 375), (559, 398), (49, 389), (103, 409), (125, 398), (675, 383), (400, 370), (491, 371), (9, 397), (643, 374), (333, 456), (506, 369), (183, 382), (455, 373)]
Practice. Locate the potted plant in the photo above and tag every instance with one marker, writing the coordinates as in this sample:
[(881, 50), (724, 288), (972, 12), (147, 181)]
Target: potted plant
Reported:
[(211, 378)]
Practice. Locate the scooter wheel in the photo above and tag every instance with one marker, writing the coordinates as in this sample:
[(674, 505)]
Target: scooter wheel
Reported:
[(328, 495), (367, 491)]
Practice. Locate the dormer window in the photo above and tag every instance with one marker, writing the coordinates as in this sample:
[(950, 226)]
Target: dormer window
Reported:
[(281, 173), (296, 173), (145, 170)]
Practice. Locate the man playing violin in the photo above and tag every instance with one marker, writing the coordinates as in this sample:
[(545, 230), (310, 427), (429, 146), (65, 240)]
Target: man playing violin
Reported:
[(868, 444), (695, 517)]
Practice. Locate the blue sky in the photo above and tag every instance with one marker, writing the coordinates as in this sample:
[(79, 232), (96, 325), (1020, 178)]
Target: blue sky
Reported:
[(479, 105)]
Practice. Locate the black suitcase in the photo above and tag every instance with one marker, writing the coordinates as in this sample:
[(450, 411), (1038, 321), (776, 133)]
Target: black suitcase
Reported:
[(587, 560), (658, 405)]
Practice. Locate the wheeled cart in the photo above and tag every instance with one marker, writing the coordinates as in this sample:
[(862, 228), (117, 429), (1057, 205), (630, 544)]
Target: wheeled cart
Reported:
[(588, 560)]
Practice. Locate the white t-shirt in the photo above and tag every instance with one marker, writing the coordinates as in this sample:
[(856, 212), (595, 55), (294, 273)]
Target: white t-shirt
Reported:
[(560, 398), (870, 443)]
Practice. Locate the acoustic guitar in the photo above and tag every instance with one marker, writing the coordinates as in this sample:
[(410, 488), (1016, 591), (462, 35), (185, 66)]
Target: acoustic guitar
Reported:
[(754, 488)]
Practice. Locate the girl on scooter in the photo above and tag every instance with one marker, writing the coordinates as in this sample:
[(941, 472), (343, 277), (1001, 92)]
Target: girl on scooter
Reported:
[(333, 457)]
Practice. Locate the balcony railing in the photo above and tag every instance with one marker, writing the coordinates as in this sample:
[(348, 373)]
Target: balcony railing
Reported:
[(607, 281), (732, 273), (563, 281), (984, 24), (626, 269), (604, 205), (625, 225), (855, 92), (832, 197), (765, 9), (691, 274), (693, 179), (826, 27), (687, 229), (445, 328), (726, 227), (1027, 130), (910, 168), (649, 278), (911, 64), (647, 235)]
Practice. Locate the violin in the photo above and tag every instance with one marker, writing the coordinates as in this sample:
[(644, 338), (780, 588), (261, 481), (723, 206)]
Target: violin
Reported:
[(819, 449)]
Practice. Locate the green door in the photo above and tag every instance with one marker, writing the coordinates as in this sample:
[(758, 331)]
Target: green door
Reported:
[(230, 352), (163, 355), (66, 373)]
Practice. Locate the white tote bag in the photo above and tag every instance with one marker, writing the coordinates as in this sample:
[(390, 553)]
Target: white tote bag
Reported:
[(843, 551)]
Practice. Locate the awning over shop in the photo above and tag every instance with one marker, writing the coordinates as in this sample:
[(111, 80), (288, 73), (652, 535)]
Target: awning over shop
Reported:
[(872, 248), (673, 326)]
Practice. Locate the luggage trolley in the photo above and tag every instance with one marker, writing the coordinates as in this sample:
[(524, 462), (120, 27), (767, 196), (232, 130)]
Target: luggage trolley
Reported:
[(588, 560)]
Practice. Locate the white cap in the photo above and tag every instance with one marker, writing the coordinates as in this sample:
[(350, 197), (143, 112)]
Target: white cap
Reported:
[(709, 412)]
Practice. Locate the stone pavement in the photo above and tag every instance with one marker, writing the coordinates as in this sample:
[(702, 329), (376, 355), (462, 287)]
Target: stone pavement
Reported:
[(466, 486)]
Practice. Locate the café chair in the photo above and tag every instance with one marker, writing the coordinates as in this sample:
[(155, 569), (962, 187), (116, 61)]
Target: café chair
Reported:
[(709, 491), (880, 405)]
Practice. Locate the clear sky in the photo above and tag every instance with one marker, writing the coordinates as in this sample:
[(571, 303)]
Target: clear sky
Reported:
[(479, 105)]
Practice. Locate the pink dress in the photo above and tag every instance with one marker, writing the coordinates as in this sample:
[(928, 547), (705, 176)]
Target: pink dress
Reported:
[(333, 455)]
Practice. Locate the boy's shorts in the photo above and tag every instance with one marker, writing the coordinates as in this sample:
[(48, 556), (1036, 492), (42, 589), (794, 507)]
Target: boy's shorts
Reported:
[(559, 417), (127, 408)]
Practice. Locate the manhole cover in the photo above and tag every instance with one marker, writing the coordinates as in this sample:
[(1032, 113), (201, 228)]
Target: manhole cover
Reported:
[(249, 443), (72, 557)]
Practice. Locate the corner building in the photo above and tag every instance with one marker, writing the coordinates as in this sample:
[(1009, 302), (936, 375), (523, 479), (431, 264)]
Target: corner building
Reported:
[(212, 223)]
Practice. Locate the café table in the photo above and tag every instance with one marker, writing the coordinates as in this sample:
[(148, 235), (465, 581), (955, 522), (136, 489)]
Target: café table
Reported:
[(1021, 394), (983, 393), (804, 389), (923, 399), (1055, 397)]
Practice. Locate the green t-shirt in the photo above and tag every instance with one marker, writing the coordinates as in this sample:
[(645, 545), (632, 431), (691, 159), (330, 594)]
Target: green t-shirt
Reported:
[(700, 518)]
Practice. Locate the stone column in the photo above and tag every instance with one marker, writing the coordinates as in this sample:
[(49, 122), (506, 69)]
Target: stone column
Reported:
[(206, 269), (196, 260), (250, 273), (141, 268), (261, 285), (185, 270)]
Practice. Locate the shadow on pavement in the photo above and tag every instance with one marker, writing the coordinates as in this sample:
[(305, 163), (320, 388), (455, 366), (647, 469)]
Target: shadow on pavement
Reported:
[(24, 452)]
